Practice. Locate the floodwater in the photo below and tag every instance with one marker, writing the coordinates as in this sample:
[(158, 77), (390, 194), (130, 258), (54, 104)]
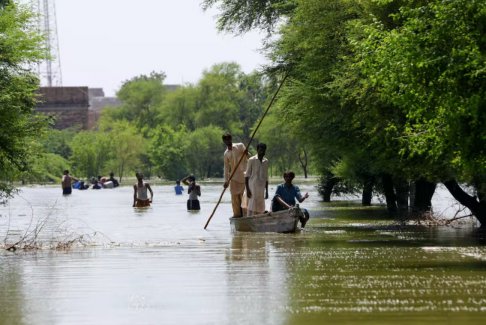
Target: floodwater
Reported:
[(103, 262)]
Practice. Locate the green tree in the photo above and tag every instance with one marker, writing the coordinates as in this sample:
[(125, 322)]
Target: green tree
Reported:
[(90, 153), (125, 148), (204, 154), (435, 78), (230, 99), (58, 142), (219, 97), (180, 107), (311, 50), (167, 150), (46, 167), (141, 96), (241, 16), (283, 147), (254, 89), (20, 47)]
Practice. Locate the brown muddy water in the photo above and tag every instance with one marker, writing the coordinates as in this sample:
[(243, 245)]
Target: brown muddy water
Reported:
[(118, 265)]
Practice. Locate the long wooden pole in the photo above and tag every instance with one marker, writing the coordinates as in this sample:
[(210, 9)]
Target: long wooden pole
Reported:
[(248, 144)]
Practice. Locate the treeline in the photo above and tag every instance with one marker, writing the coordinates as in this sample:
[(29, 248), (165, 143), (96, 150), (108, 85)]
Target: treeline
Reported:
[(388, 95), (169, 133)]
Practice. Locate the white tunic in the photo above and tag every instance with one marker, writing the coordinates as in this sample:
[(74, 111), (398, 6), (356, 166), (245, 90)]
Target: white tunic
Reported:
[(257, 173)]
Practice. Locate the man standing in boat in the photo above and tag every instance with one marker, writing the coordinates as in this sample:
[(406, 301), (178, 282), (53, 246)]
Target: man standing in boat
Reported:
[(140, 197), (286, 194), (256, 181), (233, 154)]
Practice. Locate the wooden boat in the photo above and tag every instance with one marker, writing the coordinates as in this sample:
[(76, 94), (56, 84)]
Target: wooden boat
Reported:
[(281, 221)]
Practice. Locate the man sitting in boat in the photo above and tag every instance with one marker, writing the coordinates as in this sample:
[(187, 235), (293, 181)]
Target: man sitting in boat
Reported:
[(286, 194)]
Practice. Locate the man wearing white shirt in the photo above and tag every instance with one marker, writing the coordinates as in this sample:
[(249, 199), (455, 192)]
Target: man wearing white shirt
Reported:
[(256, 181)]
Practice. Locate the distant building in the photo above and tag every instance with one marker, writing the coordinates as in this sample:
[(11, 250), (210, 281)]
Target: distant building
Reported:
[(77, 107), (172, 87), (73, 107), (67, 105)]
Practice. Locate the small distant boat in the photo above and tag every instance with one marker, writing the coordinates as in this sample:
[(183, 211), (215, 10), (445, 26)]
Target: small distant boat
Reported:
[(281, 221)]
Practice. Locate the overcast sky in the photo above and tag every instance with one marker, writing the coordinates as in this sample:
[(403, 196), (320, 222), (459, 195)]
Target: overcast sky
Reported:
[(105, 42)]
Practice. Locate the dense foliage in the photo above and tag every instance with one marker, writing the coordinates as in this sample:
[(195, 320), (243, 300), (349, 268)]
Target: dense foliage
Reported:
[(387, 91), (20, 47)]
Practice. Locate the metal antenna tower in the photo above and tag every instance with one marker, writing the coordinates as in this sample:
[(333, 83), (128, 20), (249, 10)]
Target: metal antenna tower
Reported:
[(50, 68)]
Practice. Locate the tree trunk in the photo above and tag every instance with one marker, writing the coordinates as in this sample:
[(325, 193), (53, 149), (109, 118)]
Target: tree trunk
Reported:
[(402, 190), (391, 199), (208, 173), (367, 191), (327, 187), (304, 161), (477, 206), (422, 198)]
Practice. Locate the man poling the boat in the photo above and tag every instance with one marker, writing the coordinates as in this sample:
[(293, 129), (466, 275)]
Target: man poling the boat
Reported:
[(235, 162), (286, 194)]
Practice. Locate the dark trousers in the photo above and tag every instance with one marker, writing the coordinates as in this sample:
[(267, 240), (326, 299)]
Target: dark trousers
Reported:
[(193, 205)]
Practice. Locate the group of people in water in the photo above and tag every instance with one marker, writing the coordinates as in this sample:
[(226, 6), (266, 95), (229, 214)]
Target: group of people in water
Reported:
[(245, 175), (69, 182)]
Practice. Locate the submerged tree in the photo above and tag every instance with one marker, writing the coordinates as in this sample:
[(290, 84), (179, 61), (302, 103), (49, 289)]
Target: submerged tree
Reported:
[(435, 78), (396, 86)]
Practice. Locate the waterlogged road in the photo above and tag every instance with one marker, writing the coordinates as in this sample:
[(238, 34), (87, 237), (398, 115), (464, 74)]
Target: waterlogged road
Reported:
[(158, 265)]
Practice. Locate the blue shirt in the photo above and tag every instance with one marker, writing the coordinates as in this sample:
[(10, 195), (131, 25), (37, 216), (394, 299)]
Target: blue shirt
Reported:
[(288, 194), (178, 189)]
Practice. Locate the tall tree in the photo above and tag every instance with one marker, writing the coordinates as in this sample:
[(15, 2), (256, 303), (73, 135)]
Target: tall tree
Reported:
[(435, 78), (167, 151), (180, 107), (396, 86), (219, 97), (141, 96), (90, 153), (204, 152), (125, 149), (283, 147), (241, 16), (20, 47)]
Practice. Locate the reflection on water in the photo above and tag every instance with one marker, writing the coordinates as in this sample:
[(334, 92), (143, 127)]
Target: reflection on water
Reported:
[(158, 266)]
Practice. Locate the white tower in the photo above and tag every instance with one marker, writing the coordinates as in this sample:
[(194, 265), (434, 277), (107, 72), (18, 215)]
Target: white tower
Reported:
[(50, 68)]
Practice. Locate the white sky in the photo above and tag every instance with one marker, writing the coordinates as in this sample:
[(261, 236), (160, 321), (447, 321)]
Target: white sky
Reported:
[(105, 42)]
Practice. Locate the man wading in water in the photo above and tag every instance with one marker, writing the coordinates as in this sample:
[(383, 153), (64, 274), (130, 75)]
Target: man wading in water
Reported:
[(66, 182), (140, 198)]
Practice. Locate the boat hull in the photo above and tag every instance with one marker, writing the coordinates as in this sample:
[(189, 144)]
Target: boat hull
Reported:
[(282, 221)]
